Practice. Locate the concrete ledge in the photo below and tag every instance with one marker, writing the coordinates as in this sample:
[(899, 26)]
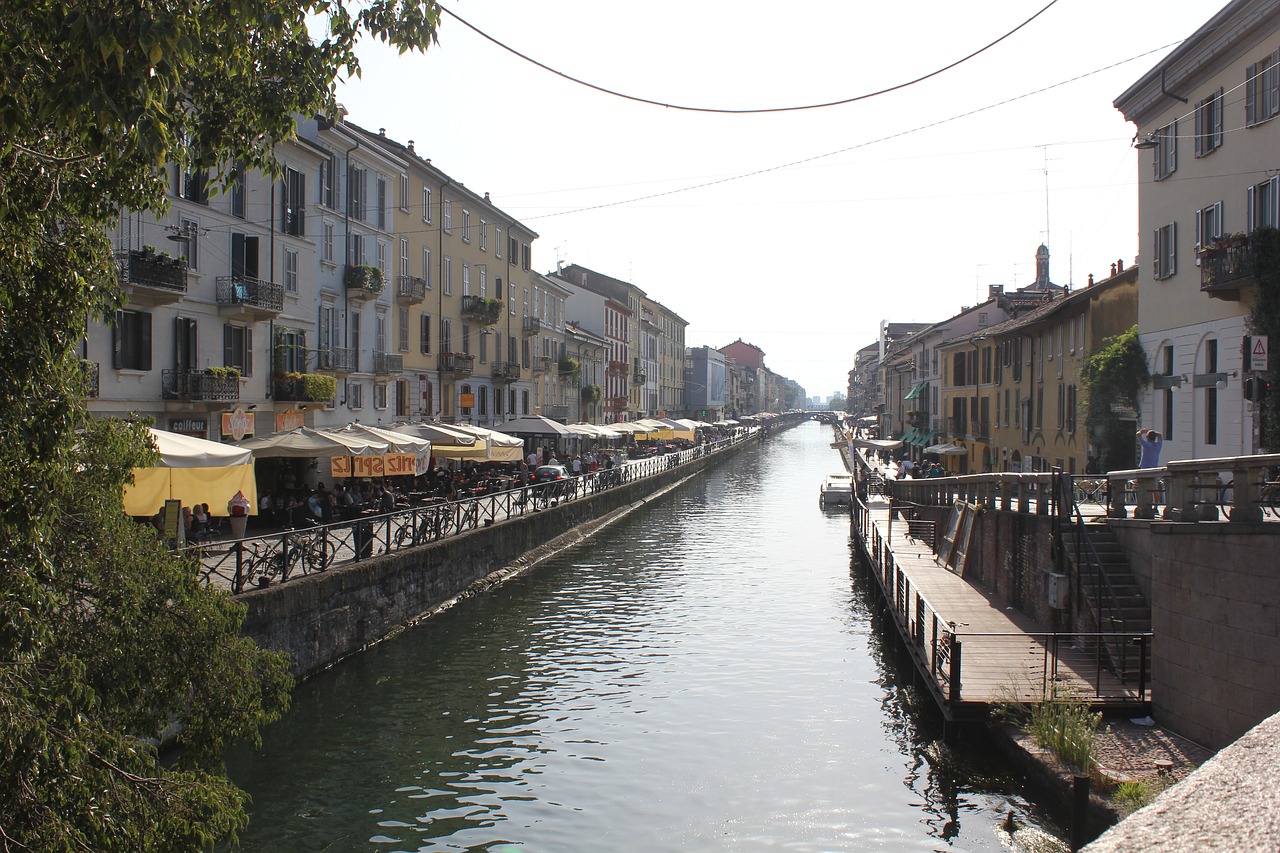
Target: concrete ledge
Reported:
[(1231, 803)]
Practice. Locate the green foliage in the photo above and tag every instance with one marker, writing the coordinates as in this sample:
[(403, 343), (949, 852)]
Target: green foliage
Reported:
[(223, 372), (591, 394), (1061, 723), (364, 277), (569, 366), (1264, 319), (105, 639), (1114, 377), (1132, 795), (319, 386)]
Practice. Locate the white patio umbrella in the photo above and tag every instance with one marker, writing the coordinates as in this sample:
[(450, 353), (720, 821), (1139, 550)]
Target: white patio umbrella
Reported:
[(307, 442), (534, 425), (440, 435), (193, 470), (397, 442), (499, 446)]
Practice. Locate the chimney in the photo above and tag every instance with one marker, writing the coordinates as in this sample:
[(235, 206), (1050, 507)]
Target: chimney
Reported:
[(410, 144), (1119, 266), (382, 131), (995, 290), (1090, 284)]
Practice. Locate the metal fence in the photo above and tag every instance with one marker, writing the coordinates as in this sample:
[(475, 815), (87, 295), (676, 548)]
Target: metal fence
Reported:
[(259, 561)]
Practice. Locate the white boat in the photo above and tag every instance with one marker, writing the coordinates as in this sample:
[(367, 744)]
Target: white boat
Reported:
[(836, 490)]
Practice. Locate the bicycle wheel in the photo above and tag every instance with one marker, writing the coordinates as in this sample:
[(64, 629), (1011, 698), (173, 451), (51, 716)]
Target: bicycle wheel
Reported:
[(319, 555)]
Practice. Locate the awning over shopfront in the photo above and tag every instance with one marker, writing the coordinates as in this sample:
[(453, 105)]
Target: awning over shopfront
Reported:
[(924, 438), (946, 448), (916, 390), (909, 437)]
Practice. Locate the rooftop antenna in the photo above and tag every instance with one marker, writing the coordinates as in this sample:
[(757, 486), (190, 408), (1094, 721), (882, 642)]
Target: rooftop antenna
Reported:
[(1044, 150), (977, 284)]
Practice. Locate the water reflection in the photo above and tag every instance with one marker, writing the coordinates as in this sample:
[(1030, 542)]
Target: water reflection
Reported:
[(708, 675)]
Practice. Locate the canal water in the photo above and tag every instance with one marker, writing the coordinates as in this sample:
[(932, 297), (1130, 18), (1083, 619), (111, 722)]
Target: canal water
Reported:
[(707, 675)]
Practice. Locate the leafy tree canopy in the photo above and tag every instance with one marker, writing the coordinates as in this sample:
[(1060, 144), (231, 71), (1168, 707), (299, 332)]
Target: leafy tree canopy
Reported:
[(1114, 378), (106, 640)]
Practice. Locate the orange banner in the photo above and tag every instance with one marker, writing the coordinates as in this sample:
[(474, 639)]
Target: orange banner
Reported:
[(389, 465), (289, 419)]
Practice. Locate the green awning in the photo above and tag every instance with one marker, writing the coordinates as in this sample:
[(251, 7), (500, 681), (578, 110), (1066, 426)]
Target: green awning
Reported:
[(916, 389), (924, 439), (908, 435)]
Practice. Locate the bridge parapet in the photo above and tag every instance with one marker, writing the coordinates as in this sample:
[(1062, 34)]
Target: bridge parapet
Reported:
[(1195, 490)]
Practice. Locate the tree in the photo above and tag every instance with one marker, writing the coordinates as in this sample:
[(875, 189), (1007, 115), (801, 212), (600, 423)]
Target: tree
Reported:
[(1264, 319), (1114, 378), (106, 640), (838, 403)]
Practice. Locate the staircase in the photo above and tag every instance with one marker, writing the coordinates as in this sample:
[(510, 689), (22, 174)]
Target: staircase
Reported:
[(1111, 593)]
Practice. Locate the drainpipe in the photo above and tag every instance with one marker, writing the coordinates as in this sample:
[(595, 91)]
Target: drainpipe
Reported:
[(346, 261), (440, 293)]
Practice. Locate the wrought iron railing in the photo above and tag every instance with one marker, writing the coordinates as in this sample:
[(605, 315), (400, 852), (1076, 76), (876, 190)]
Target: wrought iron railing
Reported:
[(531, 326), (198, 385), (456, 363), (158, 272), (385, 363), (1227, 267), (250, 292), (338, 360), (506, 371), (411, 288)]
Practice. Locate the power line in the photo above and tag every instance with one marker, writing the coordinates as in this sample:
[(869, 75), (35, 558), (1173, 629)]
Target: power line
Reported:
[(671, 106)]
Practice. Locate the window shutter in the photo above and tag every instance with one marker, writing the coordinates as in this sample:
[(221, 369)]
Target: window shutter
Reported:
[(1273, 87), (1171, 152), (1173, 248), (248, 352), (144, 341), (1155, 253), (1201, 238), (1200, 123), (116, 333), (228, 341), (1215, 128), (1274, 200), (1250, 98), (1249, 214)]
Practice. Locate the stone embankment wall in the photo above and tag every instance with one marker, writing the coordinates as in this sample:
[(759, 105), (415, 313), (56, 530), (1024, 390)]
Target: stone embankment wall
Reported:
[(1215, 614), (320, 618)]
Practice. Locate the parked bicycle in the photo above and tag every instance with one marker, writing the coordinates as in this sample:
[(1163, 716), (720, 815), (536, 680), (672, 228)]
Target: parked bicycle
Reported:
[(310, 551)]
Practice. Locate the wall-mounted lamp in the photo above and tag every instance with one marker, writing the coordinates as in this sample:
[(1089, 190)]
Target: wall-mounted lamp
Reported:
[(251, 407), (182, 233), (302, 408), (1145, 142)]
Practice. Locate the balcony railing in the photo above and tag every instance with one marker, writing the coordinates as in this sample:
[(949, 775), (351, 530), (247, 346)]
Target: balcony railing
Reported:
[(155, 272), (337, 360), (198, 385), (531, 326), (411, 288), (264, 296), (1226, 268), (558, 413), (543, 363), (482, 310), (89, 370), (363, 281), (506, 371), (618, 367), (638, 378), (456, 363), (287, 390), (385, 363)]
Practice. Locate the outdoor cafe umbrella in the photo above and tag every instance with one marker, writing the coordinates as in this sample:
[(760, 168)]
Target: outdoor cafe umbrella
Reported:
[(397, 442), (440, 435), (193, 470), (500, 446), (306, 442), (534, 425)]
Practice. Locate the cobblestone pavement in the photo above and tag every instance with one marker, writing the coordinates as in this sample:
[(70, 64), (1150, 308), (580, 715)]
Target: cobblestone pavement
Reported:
[(1127, 751)]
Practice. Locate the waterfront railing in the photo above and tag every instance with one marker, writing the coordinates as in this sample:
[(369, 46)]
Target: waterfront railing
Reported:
[(259, 561)]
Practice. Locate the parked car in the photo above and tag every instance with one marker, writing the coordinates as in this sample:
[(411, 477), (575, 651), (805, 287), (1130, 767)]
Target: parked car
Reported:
[(551, 481)]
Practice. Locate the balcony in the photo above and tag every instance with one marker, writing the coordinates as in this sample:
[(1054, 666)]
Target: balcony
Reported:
[(411, 289), (250, 296), (531, 326), (337, 360), (153, 279), (638, 378), (363, 281), (384, 363), (199, 385), (568, 366), (506, 371), (483, 311), (303, 388), (457, 364), (618, 367), (558, 413), (542, 364), (1226, 267), (89, 369)]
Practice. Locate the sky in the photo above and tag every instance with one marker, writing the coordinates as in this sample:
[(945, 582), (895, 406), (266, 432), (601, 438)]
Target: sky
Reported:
[(798, 231)]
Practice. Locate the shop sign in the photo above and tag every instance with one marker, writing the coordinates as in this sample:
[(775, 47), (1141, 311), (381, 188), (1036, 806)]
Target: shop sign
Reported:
[(387, 465), (237, 423), (289, 419), (194, 427)]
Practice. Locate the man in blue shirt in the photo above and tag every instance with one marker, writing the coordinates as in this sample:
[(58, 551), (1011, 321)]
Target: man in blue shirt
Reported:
[(1151, 442)]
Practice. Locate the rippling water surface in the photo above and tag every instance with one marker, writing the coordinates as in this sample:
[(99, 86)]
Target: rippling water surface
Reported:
[(707, 675)]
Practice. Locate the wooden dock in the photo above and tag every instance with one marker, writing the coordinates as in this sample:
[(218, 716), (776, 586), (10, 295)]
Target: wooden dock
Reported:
[(971, 647)]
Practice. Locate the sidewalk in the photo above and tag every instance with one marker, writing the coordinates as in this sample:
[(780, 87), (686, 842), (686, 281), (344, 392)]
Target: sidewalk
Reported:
[(1129, 752)]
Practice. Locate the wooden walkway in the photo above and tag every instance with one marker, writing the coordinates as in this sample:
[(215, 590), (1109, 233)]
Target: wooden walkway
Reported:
[(972, 648)]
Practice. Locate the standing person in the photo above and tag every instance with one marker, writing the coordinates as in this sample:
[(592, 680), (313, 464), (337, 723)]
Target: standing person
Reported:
[(577, 465), (1150, 442), (533, 458)]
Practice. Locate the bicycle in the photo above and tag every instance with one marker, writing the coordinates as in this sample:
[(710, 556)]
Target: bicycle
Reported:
[(311, 551)]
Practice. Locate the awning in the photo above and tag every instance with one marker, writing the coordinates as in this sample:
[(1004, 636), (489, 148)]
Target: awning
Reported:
[(909, 437), (924, 438), (946, 449), (916, 389)]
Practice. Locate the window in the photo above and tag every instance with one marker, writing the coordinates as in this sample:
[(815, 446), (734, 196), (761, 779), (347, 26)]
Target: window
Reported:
[(402, 398), (446, 334), (380, 395), (1262, 203), (381, 256), (1262, 89), (244, 256), (402, 338), (426, 204), (426, 395), (524, 402), (131, 341), (381, 215), (355, 337), (291, 352), (446, 274), (404, 256), (193, 185), (484, 280), (447, 215), (328, 168), (1211, 393), (294, 213), (526, 256), (1071, 408), (404, 192), (1167, 370), (497, 253), (482, 401), (357, 249), (326, 242), (484, 348), (189, 249), (237, 193), (484, 240), (466, 279), (466, 339), (1166, 151), (1165, 251), (513, 252), (290, 271), (424, 334), (1209, 124), (358, 193), (380, 333), (237, 348), (328, 326), (1208, 225), (466, 225), (355, 395)]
